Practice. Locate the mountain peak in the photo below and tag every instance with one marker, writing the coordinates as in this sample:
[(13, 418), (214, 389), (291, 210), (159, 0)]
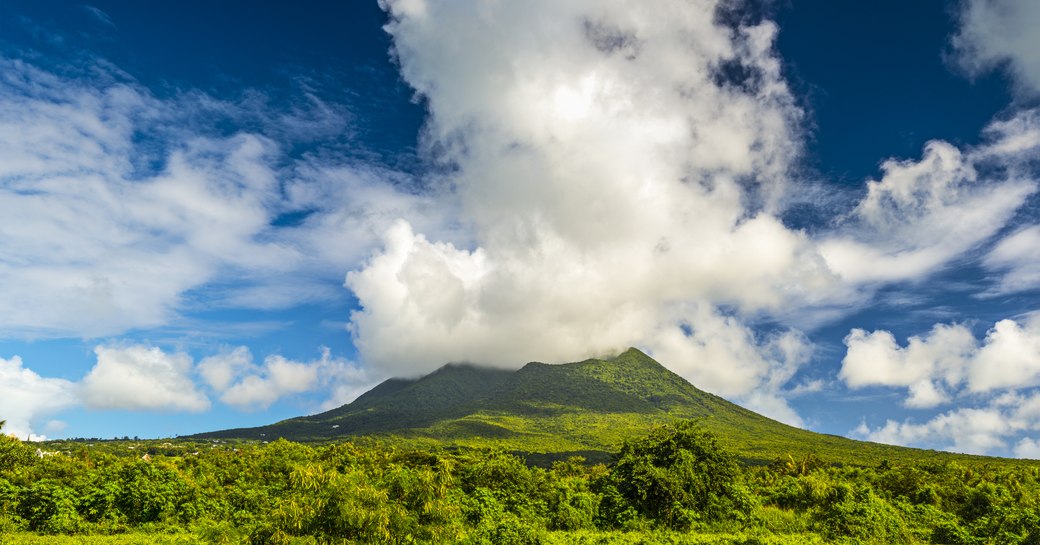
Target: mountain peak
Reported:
[(585, 407), (633, 353)]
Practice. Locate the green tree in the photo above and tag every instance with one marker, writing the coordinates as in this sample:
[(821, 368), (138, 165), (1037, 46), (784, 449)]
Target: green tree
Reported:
[(856, 512), (678, 475), (12, 451), (49, 507), (149, 492)]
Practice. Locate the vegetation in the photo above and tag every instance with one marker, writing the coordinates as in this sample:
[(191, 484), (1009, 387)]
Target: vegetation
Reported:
[(677, 485)]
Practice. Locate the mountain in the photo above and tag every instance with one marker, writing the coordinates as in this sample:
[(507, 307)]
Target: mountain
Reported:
[(587, 408)]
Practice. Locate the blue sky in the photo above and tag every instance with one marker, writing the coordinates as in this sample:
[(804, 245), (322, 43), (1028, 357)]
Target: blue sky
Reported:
[(223, 216)]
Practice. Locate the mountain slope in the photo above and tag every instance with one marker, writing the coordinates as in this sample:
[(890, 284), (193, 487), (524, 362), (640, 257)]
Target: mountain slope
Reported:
[(586, 407)]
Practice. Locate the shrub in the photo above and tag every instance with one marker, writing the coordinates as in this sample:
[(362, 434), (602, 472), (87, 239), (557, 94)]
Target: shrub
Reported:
[(507, 530), (858, 513), (14, 453), (677, 476), (149, 492), (49, 507)]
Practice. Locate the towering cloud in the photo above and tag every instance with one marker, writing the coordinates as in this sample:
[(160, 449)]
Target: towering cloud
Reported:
[(618, 169)]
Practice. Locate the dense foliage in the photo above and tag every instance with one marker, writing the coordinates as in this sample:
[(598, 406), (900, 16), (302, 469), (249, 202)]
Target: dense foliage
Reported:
[(678, 484)]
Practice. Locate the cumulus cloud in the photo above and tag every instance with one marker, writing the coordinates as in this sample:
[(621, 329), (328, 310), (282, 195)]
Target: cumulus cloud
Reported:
[(720, 354), (946, 361), (993, 381), (973, 431), (248, 386), (148, 378), (141, 378), (926, 366), (1001, 33), (616, 179), (25, 397), (1028, 448), (986, 429), (220, 370), (104, 229), (278, 377)]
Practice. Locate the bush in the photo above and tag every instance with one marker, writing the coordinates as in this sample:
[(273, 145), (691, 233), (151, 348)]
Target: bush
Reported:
[(858, 513), (49, 507), (507, 530), (149, 492), (14, 453), (677, 476)]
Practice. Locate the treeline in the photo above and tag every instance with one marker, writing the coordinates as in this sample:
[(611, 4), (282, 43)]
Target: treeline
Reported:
[(676, 485)]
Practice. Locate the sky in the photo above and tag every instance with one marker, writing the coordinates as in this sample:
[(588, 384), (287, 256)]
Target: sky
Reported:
[(219, 215)]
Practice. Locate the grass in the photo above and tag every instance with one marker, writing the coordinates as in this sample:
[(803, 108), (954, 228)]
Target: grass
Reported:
[(677, 538)]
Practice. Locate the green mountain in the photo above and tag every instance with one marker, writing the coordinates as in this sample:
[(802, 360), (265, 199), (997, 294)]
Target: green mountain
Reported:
[(586, 408)]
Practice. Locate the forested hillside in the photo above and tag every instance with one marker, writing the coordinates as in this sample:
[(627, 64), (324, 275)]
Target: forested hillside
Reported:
[(585, 408)]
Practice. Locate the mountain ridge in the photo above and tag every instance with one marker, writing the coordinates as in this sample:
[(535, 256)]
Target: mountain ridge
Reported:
[(587, 407)]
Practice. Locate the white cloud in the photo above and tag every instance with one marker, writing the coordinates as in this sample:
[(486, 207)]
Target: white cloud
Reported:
[(278, 377), (98, 16), (26, 397), (147, 378), (1028, 448), (1009, 357), (808, 387), (1017, 254), (248, 386), (55, 426), (988, 429), (969, 430), (721, 355), (220, 370), (946, 361), (1001, 33), (922, 214), (104, 230), (923, 366), (993, 381), (141, 378), (615, 185)]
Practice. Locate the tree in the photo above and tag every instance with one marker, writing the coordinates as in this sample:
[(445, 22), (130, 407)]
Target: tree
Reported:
[(678, 475), (13, 452)]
